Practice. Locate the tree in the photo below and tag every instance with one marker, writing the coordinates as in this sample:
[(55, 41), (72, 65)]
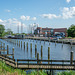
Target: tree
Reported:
[(9, 31), (71, 31), (2, 29)]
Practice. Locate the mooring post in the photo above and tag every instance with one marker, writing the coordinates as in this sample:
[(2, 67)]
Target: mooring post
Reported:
[(71, 57), (55, 43), (21, 44), (48, 54), (71, 45), (37, 58), (24, 45), (44, 41), (27, 46), (38, 62), (31, 49), (17, 42), (35, 50), (7, 49), (3, 46), (41, 52), (40, 40), (62, 43), (49, 41), (13, 52)]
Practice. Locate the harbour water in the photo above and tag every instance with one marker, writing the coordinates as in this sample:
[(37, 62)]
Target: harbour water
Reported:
[(58, 51)]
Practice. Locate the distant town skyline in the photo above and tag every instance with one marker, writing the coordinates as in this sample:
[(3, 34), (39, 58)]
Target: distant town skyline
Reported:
[(45, 13)]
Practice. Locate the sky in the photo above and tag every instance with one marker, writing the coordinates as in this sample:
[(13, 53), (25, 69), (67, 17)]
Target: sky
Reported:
[(43, 13)]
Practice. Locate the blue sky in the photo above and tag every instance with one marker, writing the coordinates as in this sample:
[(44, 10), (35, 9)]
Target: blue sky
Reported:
[(45, 13)]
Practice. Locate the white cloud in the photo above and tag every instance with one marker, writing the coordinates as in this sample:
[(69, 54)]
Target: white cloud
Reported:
[(27, 18), (50, 16), (68, 1), (68, 12), (23, 17), (34, 18), (8, 10), (1, 21)]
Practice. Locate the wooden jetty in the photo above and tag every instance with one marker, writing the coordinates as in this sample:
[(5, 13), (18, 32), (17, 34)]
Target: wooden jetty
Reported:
[(35, 64)]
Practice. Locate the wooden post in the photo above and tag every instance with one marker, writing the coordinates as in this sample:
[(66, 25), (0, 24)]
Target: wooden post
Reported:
[(49, 41), (44, 41), (24, 45), (3, 46), (55, 43), (17, 42), (21, 44), (35, 50), (38, 62), (71, 45), (27, 46), (41, 52), (7, 49), (62, 43), (48, 54), (71, 57), (13, 52), (37, 58), (31, 49)]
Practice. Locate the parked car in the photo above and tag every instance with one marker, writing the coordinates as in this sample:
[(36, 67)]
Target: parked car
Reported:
[(59, 37)]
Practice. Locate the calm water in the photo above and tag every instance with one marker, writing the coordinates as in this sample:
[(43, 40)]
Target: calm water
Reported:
[(56, 52)]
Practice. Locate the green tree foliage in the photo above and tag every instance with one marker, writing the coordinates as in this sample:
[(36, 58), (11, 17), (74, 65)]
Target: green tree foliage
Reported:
[(2, 29), (71, 31), (9, 31)]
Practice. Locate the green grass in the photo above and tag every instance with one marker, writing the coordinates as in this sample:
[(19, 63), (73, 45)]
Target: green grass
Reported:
[(8, 70), (67, 73)]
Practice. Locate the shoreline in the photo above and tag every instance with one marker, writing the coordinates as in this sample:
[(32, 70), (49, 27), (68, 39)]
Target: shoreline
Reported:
[(63, 41)]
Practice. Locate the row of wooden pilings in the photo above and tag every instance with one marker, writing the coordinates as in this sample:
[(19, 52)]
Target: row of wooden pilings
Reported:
[(20, 44), (3, 48)]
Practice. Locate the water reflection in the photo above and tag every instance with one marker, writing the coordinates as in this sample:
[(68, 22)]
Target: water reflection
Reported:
[(58, 52)]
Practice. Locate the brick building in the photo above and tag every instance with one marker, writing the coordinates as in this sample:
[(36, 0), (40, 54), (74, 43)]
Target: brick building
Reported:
[(61, 30), (46, 32)]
